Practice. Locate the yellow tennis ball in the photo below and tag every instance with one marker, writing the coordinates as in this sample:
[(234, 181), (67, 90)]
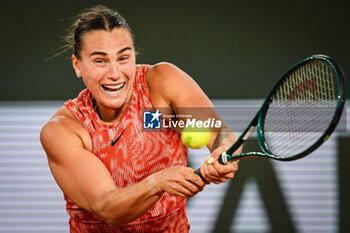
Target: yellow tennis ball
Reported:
[(195, 137)]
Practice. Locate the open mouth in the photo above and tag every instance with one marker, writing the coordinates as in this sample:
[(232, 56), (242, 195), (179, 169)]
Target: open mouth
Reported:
[(114, 89)]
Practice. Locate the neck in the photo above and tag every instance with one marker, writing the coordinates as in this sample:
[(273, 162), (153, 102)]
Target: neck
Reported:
[(110, 115)]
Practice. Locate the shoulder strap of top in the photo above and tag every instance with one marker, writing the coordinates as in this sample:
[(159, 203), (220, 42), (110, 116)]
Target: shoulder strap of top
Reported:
[(82, 110), (73, 108), (141, 80)]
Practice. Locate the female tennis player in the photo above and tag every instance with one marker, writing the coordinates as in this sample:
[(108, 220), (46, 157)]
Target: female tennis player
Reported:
[(115, 176)]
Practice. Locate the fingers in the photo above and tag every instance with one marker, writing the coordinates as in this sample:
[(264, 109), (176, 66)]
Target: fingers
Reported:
[(214, 175), (217, 152), (215, 172), (181, 181), (185, 191)]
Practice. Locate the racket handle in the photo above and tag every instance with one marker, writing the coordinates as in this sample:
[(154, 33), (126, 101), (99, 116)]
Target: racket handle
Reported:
[(198, 172), (223, 158)]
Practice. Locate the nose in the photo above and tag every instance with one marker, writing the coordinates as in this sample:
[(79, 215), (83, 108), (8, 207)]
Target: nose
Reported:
[(114, 72)]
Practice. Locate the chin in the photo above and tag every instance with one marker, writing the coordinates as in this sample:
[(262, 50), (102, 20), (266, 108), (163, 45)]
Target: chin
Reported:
[(114, 100), (115, 104)]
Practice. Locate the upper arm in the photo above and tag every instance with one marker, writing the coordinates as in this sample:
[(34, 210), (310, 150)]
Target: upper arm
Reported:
[(175, 88), (78, 172), (171, 87)]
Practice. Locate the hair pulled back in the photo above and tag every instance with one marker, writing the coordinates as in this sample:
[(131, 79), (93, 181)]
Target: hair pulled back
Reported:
[(95, 18)]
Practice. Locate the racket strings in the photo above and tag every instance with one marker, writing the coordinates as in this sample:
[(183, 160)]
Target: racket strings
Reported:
[(301, 109)]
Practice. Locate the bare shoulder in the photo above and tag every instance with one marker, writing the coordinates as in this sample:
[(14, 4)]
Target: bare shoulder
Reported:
[(165, 82), (170, 85), (63, 126), (63, 120), (163, 72)]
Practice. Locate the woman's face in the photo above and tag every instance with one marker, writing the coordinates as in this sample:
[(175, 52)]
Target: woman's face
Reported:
[(107, 66)]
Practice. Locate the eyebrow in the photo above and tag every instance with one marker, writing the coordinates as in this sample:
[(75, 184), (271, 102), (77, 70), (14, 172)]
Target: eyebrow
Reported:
[(105, 54)]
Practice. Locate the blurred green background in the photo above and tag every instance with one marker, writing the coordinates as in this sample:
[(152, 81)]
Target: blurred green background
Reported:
[(233, 49)]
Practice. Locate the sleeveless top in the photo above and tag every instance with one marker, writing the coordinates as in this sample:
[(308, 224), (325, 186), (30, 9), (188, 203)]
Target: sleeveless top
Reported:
[(136, 155)]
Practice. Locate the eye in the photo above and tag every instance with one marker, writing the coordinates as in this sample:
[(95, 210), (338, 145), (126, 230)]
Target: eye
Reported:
[(100, 61), (123, 58)]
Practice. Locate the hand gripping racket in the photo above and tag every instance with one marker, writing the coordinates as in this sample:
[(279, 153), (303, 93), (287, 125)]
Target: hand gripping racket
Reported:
[(299, 114)]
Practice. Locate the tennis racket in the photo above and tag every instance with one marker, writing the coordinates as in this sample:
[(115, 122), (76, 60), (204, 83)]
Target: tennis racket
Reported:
[(299, 114)]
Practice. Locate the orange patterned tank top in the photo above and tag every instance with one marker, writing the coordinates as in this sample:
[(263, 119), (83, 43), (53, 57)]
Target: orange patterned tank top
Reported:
[(134, 156)]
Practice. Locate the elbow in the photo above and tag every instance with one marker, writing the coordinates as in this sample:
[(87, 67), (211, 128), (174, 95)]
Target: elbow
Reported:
[(102, 209), (115, 221), (114, 217)]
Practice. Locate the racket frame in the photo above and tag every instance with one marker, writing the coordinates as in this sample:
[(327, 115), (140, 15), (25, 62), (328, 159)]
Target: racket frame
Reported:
[(258, 120)]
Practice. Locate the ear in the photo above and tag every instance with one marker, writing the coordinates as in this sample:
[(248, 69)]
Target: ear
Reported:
[(76, 66)]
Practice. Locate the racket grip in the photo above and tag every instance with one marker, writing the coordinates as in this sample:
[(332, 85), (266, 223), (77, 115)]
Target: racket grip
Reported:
[(223, 158), (198, 172)]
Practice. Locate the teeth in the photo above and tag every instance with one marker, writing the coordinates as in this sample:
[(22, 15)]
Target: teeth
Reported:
[(114, 86), (114, 89)]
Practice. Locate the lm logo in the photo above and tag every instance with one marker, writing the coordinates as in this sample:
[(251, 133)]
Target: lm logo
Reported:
[(151, 120)]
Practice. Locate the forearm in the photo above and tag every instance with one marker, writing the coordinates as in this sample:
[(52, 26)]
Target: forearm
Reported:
[(124, 205), (224, 138)]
